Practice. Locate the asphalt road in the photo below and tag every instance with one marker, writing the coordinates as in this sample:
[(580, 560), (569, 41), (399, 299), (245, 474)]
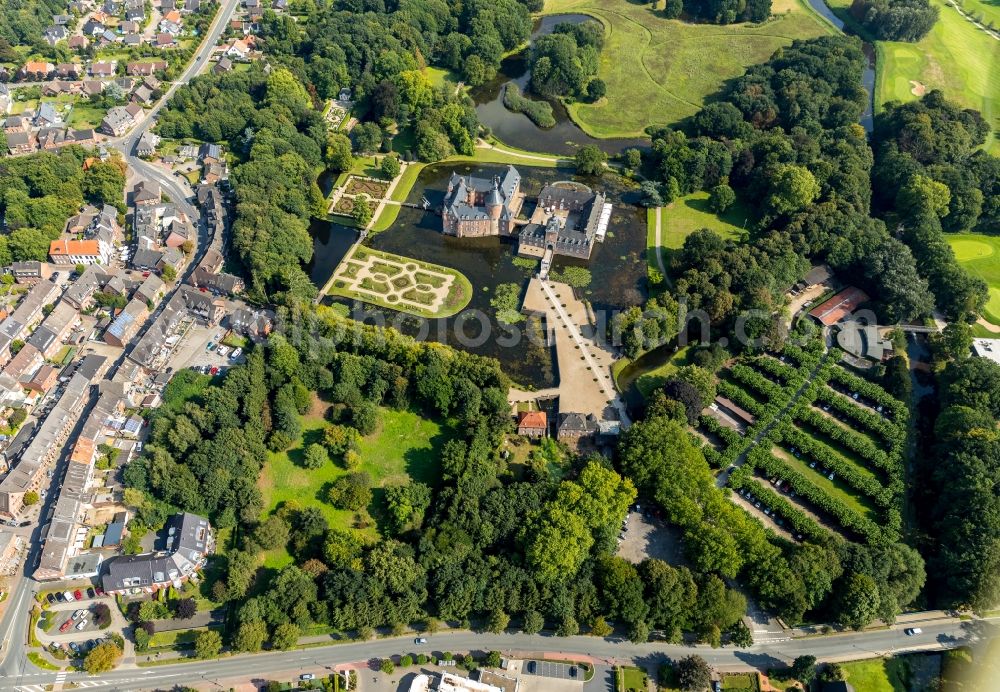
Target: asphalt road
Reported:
[(936, 635)]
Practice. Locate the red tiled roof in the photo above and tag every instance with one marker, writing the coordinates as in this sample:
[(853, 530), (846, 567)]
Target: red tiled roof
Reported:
[(532, 419), (840, 306)]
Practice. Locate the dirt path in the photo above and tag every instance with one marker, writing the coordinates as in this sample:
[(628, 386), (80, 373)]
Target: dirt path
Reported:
[(659, 242)]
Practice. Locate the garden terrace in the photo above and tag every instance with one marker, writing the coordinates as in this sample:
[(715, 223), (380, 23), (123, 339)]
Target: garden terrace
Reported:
[(801, 524), (829, 461), (818, 492)]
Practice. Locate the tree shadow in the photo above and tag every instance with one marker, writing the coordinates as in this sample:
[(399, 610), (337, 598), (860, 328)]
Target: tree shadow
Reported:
[(761, 662), (297, 454), (422, 464)]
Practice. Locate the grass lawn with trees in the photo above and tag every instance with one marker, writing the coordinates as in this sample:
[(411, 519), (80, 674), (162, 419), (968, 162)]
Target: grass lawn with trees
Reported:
[(980, 255), (405, 447), (659, 71), (688, 214), (955, 56)]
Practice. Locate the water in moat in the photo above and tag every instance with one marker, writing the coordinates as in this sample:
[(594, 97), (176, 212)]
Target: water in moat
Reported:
[(618, 267), (516, 129)]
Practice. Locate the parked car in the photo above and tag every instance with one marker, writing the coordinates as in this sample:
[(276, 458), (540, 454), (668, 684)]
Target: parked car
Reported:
[(78, 595), (74, 646), (99, 590), (91, 593), (236, 354), (911, 631), (209, 346), (60, 597), (78, 613), (69, 596), (306, 676), (50, 598), (420, 640), (80, 625), (65, 626), (572, 671)]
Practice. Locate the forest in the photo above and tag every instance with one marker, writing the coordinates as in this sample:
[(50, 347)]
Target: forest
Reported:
[(719, 11), (896, 20), (38, 193), (490, 542), (22, 22), (785, 137)]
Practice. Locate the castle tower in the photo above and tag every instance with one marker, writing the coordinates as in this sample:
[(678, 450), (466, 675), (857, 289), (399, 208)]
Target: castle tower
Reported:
[(494, 202)]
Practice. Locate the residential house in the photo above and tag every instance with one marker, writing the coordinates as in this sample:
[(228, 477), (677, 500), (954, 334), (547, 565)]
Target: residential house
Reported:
[(164, 40), (47, 115), (143, 69), (37, 71), (150, 291), (224, 65), (172, 257), (135, 14), (534, 424), (103, 68), (190, 543), (54, 34), (61, 19), (132, 40), (147, 259), (574, 426), (238, 49), (142, 94), (210, 153), (92, 27), (69, 70), (177, 232), (25, 363), (21, 143), (126, 324), (30, 310), (129, 26), (255, 324), (147, 144), (81, 293), (78, 42), (68, 252), (16, 123), (60, 322), (91, 87), (171, 23), (191, 6), (43, 380), (117, 121), (146, 194), (30, 272)]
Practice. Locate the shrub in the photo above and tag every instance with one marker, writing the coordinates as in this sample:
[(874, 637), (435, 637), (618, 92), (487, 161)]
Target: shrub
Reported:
[(539, 112)]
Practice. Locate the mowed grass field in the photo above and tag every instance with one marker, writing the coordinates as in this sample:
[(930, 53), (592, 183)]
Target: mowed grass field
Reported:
[(406, 446), (956, 57), (980, 255), (659, 71)]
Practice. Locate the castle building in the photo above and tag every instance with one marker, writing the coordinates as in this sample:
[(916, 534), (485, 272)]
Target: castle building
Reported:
[(478, 207), (568, 219)]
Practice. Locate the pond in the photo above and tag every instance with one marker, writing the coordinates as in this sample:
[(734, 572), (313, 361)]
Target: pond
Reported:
[(516, 129), (617, 266)]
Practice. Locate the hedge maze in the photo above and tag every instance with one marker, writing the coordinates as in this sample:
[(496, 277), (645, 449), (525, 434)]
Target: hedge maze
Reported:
[(824, 453)]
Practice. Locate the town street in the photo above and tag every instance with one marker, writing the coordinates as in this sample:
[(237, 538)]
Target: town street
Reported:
[(937, 634)]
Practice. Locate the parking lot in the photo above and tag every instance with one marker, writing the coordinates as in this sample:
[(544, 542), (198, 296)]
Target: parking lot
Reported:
[(193, 352), (646, 536), (548, 676)]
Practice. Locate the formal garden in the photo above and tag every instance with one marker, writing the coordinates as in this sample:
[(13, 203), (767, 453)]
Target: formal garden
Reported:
[(401, 283), (830, 461)]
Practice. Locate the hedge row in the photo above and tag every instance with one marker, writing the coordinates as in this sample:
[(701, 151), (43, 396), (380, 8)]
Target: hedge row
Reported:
[(859, 444), (753, 379), (775, 368), (847, 517), (798, 521), (871, 421), (741, 398), (871, 391), (823, 455), (723, 432)]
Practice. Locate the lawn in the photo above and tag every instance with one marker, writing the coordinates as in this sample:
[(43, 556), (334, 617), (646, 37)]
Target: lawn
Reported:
[(877, 675), (980, 255), (741, 682), (651, 370), (659, 71), (85, 116), (406, 446), (629, 679), (955, 57), (836, 488), (687, 215)]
